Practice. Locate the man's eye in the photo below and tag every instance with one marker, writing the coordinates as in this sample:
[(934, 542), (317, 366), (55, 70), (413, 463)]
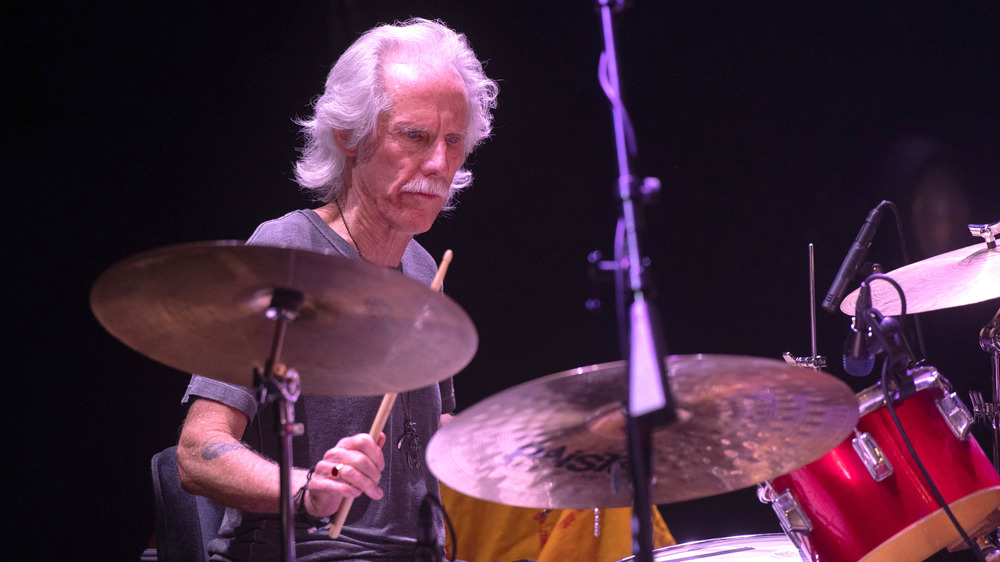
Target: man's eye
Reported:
[(454, 139), (414, 135)]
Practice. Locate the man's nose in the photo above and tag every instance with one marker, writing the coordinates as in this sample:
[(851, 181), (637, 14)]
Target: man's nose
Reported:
[(437, 159)]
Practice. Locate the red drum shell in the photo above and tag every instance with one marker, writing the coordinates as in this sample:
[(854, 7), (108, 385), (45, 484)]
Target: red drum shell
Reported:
[(856, 518)]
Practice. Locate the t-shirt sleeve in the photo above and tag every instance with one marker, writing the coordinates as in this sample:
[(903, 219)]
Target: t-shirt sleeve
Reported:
[(448, 402), (282, 233), (234, 396)]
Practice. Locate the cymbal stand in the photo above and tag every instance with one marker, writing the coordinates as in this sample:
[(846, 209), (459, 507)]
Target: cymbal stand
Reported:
[(649, 399), (281, 385), (989, 340)]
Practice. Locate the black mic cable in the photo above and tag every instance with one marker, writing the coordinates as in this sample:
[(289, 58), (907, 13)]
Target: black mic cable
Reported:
[(427, 548)]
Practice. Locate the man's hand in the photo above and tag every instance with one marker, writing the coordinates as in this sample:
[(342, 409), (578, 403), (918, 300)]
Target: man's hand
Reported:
[(354, 466)]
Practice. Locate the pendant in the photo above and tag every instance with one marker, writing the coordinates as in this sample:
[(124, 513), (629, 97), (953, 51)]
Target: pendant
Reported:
[(409, 444)]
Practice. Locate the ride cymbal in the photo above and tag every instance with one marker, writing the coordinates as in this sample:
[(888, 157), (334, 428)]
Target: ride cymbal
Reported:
[(957, 278), (361, 330), (558, 442)]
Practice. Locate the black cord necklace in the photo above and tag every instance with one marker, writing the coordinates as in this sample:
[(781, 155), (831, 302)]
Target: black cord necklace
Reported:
[(343, 219), (351, 236)]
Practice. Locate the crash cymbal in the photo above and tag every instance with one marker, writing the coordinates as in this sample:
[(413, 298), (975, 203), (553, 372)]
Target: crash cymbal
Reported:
[(957, 278), (362, 329), (558, 442)]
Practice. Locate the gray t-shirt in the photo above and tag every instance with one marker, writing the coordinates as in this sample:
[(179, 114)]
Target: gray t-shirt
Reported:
[(375, 530)]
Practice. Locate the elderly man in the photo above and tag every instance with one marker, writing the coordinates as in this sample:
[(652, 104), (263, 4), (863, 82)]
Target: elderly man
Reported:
[(402, 109)]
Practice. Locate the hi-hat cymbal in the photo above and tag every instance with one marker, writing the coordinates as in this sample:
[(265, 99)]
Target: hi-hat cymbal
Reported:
[(362, 329), (558, 442), (957, 278)]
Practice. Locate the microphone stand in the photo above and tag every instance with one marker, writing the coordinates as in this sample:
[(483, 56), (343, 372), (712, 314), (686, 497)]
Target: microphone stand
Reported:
[(649, 399)]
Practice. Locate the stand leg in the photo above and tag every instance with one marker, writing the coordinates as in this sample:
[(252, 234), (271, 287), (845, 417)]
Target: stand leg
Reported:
[(640, 447), (287, 417), (989, 341), (281, 385), (996, 401)]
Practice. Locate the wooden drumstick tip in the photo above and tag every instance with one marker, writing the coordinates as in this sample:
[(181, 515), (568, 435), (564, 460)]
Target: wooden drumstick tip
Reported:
[(384, 408), (442, 269)]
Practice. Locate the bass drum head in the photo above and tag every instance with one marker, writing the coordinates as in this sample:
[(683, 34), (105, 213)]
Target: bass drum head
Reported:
[(748, 548)]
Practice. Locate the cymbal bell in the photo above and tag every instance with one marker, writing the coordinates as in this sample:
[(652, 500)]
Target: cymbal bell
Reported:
[(362, 329), (956, 278), (558, 442)]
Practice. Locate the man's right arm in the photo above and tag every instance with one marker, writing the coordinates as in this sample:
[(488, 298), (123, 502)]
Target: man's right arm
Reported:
[(213, 462)]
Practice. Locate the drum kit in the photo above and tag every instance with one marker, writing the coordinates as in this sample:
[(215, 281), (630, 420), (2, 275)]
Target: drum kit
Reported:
[(845, 481), (830, 461), (557, 442)]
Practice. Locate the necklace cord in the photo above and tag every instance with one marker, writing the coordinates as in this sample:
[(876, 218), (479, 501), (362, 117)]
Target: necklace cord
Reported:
[(343, 219)]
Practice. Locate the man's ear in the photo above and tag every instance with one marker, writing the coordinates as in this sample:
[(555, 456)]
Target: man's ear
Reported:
[(341, 138)]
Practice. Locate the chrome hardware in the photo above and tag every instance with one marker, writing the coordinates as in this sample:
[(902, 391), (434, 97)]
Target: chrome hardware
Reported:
[(814, 362), (983, 412), (871, 456), (925, 377), (793, 520), (989, 232), (957, 415)]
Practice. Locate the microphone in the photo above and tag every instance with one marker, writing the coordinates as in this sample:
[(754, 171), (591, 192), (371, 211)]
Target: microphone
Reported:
[(859, 358), (855, 257)]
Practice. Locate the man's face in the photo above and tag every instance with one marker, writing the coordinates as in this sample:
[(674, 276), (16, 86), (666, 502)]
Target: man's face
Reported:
[(403, 180)]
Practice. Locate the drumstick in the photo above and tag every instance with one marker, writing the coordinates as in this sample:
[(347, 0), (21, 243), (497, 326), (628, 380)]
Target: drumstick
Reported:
[(383, 410)]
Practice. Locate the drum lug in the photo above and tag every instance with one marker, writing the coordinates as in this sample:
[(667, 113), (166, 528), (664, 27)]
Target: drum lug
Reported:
[(791, 517), (871, 456), (957, 414)]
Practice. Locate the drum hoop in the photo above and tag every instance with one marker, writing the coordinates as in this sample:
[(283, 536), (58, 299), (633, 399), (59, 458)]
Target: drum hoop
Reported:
[(924, 378), (692, 548)]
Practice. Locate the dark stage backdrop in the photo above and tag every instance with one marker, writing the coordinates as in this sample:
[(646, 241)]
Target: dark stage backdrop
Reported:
[(130, 126)]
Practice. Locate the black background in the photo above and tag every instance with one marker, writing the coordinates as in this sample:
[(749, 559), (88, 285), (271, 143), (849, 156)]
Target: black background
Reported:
[(130, 126)]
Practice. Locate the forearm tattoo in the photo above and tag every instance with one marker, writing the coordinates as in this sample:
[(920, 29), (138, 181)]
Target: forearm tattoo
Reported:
[(216, 449)]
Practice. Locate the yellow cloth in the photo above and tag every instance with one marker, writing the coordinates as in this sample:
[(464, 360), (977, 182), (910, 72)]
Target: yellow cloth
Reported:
[(490, 532)]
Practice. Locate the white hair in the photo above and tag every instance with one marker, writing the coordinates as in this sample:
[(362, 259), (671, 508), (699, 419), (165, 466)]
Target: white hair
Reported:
[(355, 95)]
